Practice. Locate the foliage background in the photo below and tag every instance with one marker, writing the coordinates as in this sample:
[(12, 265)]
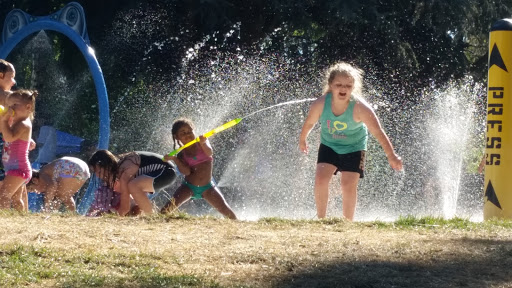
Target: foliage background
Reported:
[(408, 45)]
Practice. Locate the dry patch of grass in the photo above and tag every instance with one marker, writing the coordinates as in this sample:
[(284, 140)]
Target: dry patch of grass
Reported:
[(52, 250)]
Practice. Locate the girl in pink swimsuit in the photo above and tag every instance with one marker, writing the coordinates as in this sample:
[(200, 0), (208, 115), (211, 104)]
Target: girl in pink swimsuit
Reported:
[(16, 127), (196, 163)]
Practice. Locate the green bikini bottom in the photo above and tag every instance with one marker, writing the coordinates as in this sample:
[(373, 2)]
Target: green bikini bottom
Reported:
[(197, 191)]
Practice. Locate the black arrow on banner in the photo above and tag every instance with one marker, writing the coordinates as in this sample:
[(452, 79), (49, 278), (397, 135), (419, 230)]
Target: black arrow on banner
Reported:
[(491, 195), (496, 59)]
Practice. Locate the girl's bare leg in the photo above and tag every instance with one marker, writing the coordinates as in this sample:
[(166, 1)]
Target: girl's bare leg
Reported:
[(349, 181), (216, 199), (17, 200), (124, 204), (323, 176), (10, 185), (139, 188), (182, 195), (67, 188), (25, 198)]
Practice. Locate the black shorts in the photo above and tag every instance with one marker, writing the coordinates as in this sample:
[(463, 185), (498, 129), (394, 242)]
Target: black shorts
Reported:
[(163, 176), (351, 162)]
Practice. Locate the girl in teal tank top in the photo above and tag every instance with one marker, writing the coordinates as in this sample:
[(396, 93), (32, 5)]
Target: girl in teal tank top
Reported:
[(344, 121), (341, 133)]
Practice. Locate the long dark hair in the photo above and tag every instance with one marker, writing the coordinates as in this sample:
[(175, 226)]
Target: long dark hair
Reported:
[(108, 161)]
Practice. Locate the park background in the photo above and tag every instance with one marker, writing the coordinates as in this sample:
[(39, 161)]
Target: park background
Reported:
[(217, 60), (405, 45), (213, 61)]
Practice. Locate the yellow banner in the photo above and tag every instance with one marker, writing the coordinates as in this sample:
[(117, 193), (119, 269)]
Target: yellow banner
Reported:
[(498, 147)]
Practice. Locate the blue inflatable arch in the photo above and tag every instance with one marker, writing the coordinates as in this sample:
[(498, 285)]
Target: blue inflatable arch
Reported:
[(69, 21)]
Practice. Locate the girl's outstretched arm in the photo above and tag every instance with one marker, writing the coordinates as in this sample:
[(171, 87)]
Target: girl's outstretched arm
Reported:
[(364, 113), (315, 111)]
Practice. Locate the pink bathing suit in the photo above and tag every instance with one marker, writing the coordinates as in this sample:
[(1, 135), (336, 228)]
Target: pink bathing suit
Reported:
[(15, 159), (200, 157)]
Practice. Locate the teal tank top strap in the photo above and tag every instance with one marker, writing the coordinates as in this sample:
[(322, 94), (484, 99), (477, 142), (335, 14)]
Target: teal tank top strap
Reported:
[(349, 112)]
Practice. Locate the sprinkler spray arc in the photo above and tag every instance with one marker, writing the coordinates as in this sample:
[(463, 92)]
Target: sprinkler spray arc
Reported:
[(233, 123)]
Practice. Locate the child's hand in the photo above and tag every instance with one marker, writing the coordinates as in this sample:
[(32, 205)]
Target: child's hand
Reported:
[(395, 162), (170, 158), (7, 115), (303, 147), (32, 145), (481, 167), (202, 139)]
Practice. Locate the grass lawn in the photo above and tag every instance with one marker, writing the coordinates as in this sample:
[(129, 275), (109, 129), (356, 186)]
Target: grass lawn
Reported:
[(64, 250)]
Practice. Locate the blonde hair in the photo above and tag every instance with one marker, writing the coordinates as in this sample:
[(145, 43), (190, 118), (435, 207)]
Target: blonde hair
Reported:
[(6, 66), (27, 97), (345, 69)]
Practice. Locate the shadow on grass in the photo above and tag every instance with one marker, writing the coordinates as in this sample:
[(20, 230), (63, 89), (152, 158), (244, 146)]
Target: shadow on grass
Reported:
[(488, 266)]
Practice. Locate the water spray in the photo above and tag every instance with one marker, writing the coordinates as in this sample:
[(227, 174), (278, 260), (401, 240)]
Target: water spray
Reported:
[(208, 134), (233, 123)]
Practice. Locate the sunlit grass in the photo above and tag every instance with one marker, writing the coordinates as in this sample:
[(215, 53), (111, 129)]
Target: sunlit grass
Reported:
[(22, 265), (179, 250), (403, 222), (411, 221), (454, 223)]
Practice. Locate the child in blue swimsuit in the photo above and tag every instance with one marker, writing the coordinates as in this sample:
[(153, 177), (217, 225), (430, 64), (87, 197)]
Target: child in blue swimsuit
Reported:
[(196, 163)]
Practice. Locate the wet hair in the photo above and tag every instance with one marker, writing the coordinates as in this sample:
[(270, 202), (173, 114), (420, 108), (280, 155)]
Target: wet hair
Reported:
[(348, 70), (176, 126), (108, 161), (5, 66), (27, 97)]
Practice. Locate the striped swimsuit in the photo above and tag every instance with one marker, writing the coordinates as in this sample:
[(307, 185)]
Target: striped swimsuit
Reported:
[(152, 165)]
